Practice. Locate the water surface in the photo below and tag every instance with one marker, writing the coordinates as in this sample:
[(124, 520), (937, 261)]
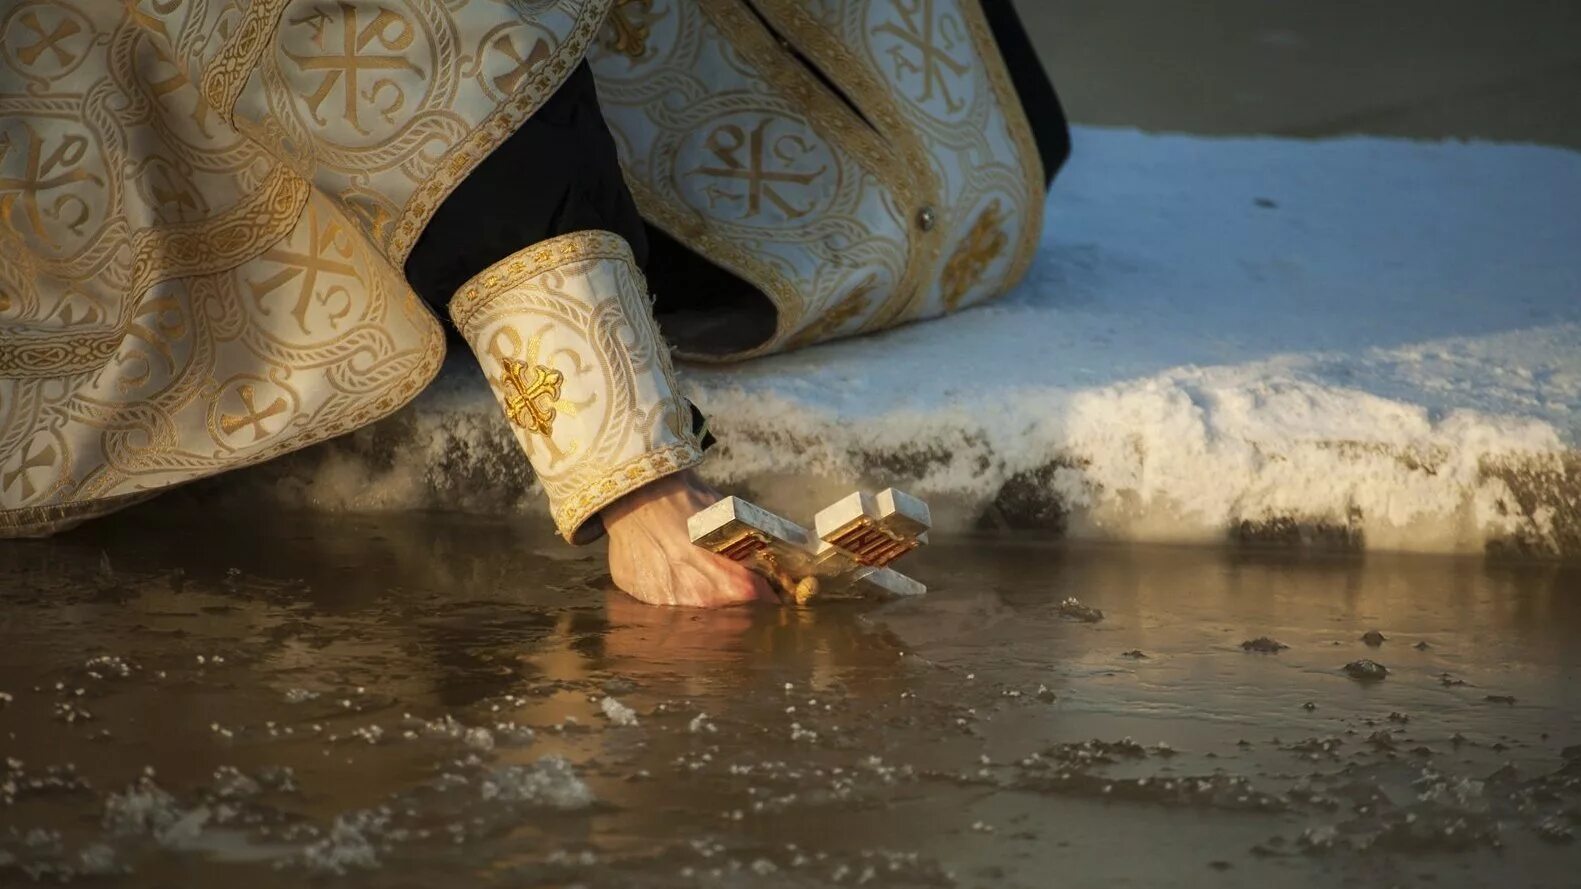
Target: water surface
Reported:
[(448, 701)]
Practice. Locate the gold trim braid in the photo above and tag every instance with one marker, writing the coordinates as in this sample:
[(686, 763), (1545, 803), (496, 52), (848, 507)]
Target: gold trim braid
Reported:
[(841, 156), (213, 245), (42, 521), (222, 242), (531, 262), (204, 209), (1020, 129), (226, 76)]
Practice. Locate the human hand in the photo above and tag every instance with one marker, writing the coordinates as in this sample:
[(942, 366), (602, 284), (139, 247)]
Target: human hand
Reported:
[(651, 556)]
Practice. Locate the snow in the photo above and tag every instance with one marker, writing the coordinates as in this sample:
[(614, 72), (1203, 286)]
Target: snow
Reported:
[(1370, 340)]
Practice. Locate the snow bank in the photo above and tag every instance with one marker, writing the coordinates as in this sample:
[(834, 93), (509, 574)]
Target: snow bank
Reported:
[(1359, 341)]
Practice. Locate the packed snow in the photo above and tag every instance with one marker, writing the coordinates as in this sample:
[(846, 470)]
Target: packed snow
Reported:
[(1366, 340)]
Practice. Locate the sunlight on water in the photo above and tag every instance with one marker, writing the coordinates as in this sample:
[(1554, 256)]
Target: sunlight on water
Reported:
[(428, 701)]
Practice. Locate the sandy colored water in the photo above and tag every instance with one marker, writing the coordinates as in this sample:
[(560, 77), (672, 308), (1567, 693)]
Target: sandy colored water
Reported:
[(422, 702)]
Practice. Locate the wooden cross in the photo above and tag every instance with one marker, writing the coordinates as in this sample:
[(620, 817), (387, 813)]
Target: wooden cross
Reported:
[(857, 538)]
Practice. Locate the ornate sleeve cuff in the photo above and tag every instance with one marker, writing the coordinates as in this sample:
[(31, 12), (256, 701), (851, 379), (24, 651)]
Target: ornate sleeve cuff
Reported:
[(565, 334)]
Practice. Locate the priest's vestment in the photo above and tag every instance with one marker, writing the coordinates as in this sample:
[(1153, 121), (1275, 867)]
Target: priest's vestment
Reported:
[(213, 215)]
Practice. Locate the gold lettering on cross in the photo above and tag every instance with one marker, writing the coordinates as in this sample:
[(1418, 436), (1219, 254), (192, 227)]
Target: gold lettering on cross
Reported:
[(730, 142), (44, 172), (530, 394), (931, 61), (178, 83), (345, 68), (170, 191), (328, 252), (231, 424)]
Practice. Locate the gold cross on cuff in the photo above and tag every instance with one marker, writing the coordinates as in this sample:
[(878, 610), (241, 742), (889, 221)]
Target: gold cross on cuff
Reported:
[(529, 402)]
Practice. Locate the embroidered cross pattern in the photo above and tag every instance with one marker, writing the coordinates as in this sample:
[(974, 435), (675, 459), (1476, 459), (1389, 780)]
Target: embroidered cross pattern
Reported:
[(762, 164), (931, 40), (846, 556), (38, 459), (328, 253), (251, 414), (506, 83), (22, 195), (530, 394), (356, 57), (51, 41)]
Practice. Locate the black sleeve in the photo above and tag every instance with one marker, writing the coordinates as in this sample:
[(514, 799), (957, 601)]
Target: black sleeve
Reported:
[(557, 174), (1033, 87)]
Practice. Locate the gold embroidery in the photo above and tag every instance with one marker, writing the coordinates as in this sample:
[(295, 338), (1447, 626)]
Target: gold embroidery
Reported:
[(530, 404), (228, 73), (926, 96), (925, 57), (574, 511), (160, 253), (734, 221), (762, 165), (362, 47), (130, 332), (25, 199), (929, 40), (40, 521), (251, 415), (981, 246), (879, 104), (531, 262), (524, 63), (1032, 173), (684, 224), (854, 305), (626, 31), (197, 248), (56, 356), (579, 301), (531, 91), (43, 457), (59, 38)]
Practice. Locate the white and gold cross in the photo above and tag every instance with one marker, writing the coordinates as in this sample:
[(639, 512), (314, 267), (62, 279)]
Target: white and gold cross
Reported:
[(857, 538)]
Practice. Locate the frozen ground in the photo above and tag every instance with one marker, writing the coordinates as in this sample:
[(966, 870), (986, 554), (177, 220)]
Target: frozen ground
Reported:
[(403, 701), (1361, 342)]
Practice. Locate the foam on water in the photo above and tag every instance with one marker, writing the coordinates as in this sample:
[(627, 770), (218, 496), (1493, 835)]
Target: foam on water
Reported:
[(551, 781), (921, 743)]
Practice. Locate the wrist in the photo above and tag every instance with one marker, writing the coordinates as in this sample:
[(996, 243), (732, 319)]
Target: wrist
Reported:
[(675, 486)]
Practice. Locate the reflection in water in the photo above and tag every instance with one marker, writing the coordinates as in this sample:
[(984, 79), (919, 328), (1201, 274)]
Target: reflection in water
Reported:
[(415, 700)]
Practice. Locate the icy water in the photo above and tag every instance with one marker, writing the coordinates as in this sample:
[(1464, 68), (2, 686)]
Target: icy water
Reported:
[(435, 702)]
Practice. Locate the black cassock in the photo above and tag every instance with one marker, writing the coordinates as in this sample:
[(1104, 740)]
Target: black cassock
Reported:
[(507, 202)]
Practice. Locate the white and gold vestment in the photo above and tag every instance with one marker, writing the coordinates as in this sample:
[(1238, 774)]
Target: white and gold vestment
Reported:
[(205, 206)]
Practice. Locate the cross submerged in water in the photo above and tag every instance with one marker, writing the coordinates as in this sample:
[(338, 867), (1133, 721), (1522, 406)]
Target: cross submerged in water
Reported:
[(857, 538)]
